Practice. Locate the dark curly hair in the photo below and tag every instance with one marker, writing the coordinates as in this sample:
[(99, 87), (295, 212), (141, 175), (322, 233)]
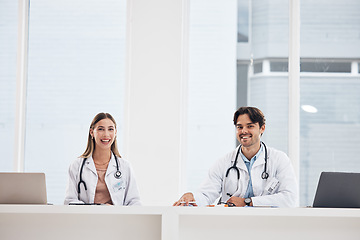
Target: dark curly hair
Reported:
[(255, 115)]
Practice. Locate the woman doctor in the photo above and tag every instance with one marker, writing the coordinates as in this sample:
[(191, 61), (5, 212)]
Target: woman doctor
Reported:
[(100, 175)]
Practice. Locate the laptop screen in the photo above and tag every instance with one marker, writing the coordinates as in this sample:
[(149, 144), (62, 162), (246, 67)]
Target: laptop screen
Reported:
[(22, 188), (338, 190)]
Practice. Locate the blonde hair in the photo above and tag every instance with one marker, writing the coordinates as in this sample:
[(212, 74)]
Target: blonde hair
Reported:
[(91, 142)]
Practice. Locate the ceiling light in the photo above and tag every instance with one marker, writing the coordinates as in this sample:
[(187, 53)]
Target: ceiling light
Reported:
[(309, 108)]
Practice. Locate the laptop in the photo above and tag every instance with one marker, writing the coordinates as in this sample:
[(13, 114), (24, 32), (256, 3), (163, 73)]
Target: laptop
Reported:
[(22, 188), (338, 190)]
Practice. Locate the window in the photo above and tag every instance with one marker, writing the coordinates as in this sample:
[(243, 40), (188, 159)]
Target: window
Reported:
[(76, 69), (242, 80), (243, 21), (279, 66), (8, 44), (329, 84), (329, 131), (325, 66), (211, 86), (268, 90), (258, 67)]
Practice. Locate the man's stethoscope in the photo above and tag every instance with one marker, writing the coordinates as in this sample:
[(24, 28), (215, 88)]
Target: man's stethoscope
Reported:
[(117, 174), (264, 174)]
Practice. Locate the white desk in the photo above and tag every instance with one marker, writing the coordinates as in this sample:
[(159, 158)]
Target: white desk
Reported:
[(269, 223), (175, 223), (35, 222)]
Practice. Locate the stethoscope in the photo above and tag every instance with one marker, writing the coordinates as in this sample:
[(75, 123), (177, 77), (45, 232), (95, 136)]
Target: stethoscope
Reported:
[(117, 174), (264, 174)]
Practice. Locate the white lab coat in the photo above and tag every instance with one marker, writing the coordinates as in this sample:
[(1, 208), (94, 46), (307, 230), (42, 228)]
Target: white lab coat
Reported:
[(280, 189), (123, 191)]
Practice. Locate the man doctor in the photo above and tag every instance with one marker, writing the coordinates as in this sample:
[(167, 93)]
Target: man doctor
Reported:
[(243, 177)]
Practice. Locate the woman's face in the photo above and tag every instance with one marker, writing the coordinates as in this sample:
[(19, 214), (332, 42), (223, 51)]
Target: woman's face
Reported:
[(104, 133)]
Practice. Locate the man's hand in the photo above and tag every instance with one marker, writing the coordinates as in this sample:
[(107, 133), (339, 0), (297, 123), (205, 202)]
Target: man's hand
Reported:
[(186, 200), (238, 201)]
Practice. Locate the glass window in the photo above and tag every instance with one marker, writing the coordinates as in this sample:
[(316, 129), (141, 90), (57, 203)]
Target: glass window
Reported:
[(242, 87), (211, 86), (8, 44), (76, 69), (325, 66), (243, 21), (329, 83), (258, 67), (269, 90), (279, 66), (330, 122)]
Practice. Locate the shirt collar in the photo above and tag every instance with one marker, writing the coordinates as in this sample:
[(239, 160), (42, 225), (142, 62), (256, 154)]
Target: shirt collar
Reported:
[(253, 159)]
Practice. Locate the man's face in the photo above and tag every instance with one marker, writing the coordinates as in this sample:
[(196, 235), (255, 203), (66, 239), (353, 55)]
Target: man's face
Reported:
[(248, 133)]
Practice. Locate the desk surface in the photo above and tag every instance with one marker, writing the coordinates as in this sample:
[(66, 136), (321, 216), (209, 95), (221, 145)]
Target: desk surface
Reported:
[(175, 223), (160, 210)]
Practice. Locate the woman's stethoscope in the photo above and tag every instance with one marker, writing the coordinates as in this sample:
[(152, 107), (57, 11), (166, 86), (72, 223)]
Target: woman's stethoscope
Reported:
[(264, 174), (117, 174)]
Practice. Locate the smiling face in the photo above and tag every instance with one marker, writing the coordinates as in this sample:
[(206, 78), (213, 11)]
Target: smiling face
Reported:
[(104, 133), (247, 132)]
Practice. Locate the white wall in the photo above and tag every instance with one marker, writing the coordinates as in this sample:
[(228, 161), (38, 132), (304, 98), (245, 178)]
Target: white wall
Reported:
[(181, 93), (155, 96)]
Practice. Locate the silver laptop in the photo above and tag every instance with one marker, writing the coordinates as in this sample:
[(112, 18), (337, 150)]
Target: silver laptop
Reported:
[(22, 188), (338, 190)]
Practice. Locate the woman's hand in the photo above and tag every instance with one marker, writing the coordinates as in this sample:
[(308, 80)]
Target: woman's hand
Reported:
[(186, 200)]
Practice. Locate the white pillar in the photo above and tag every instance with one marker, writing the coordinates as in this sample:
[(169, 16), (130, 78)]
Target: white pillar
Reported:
[(266, 66), (354, 68), (21, 79), (155, 102)]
